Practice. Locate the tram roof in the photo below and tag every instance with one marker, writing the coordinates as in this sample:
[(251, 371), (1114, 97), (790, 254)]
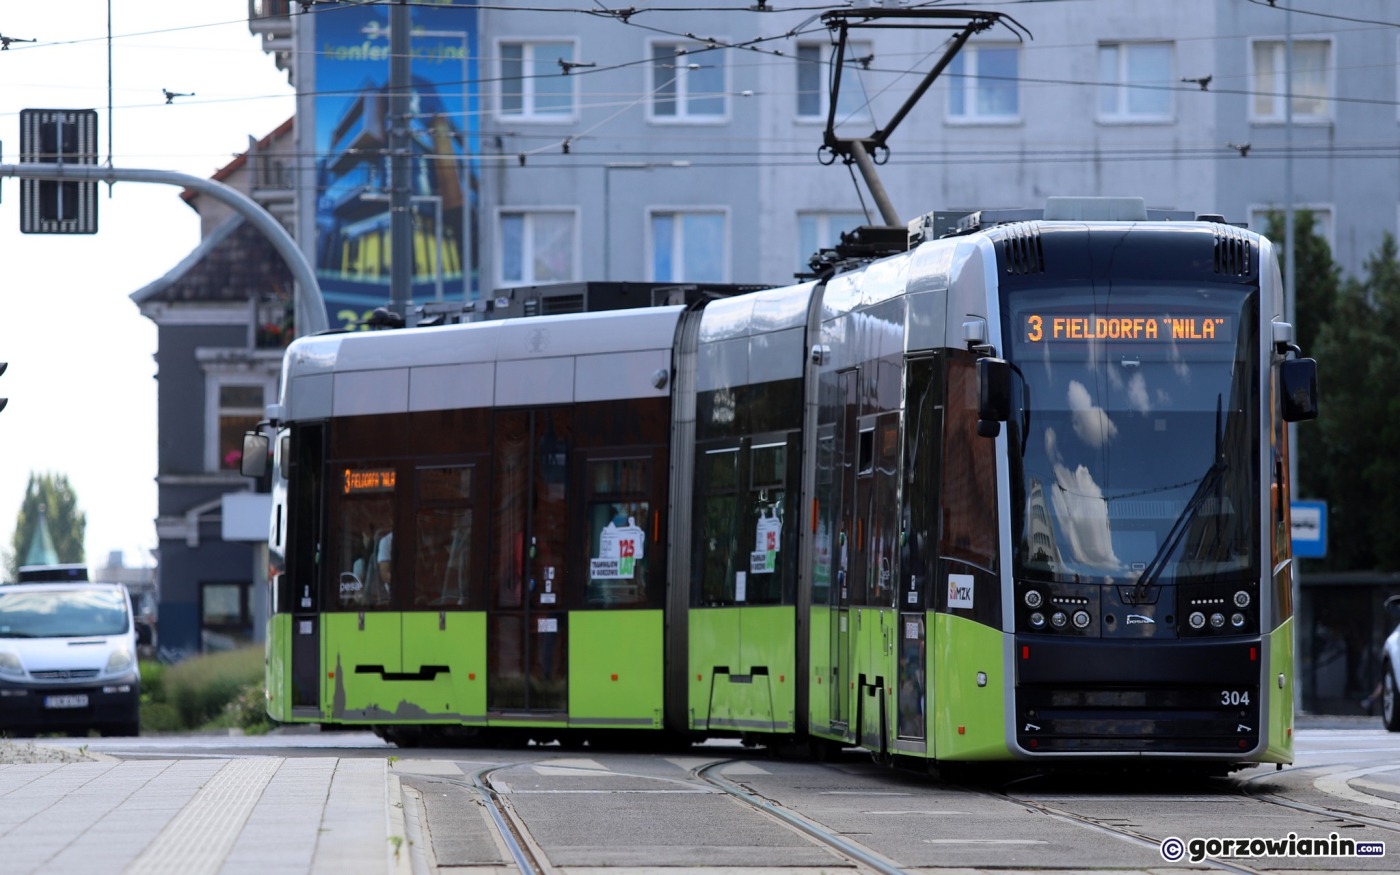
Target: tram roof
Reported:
[(574, 334)]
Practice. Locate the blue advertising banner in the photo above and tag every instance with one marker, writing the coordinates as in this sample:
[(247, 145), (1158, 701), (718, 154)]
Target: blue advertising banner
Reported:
[(352, 132)]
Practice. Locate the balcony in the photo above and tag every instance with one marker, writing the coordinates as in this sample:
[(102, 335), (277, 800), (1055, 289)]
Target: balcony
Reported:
[(272, 20)]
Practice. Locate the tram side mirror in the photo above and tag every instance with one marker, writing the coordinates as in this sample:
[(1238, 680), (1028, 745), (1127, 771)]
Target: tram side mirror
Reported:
[(1298, 380), (254, 461), (993, 395)]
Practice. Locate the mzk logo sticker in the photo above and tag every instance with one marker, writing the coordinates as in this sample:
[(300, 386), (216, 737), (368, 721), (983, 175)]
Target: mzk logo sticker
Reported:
[(960, 591)]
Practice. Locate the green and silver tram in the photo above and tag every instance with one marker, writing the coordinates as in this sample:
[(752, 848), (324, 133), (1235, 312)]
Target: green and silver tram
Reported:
[(1018, 491)]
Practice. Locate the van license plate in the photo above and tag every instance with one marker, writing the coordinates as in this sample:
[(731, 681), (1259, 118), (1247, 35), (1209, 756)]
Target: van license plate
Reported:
[(79, 701)]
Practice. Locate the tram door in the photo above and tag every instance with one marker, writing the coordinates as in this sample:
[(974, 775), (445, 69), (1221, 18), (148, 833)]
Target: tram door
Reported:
[(845, 558), (923, 427), (527, 668)]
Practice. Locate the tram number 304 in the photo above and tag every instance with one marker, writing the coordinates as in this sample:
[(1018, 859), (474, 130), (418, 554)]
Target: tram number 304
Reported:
[(1234, 697)]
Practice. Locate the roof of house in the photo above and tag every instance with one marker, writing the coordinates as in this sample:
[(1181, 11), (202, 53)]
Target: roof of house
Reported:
[(234, 263)]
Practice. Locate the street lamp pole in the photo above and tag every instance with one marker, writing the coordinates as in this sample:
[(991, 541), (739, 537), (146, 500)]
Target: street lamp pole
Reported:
[(400, 164)]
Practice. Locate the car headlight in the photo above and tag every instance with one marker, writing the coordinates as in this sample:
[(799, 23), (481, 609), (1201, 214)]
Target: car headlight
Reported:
[(120, 660), (10, 664)]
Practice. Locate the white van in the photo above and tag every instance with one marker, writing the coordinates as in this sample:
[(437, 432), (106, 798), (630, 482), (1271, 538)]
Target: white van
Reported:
[(67, 655)]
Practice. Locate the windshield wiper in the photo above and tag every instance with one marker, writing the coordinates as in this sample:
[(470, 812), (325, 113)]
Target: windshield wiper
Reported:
[(1214, 476)]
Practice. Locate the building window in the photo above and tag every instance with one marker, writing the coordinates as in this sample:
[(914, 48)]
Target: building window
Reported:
[(1323, 225), (687, 84), (238, 407), (1135, 81), (817, 231), (533, 82), (983, 84), (225, 623), (688, 247), (814, 79), (1312, 80), (537, 247)]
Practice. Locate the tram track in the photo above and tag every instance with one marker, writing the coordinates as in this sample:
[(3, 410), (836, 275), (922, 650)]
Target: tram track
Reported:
[(1248, 788), (862, 858), (491, 787), (513, 833), (1251, 789), (508, 829), (1102, 825)]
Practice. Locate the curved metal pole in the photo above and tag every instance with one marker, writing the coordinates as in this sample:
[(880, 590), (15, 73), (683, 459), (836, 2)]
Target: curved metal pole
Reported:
[(872, 181), (310, 305)]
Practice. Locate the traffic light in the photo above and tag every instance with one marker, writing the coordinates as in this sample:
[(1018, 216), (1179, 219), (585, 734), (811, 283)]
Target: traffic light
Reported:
[(57, 136), (3, 401)]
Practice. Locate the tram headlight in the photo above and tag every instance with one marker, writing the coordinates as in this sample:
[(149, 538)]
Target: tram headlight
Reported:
[(1058, 619), (1033, 598), (1081, 619), (1237, 620), (1217, 620), (1242, 599), (1037, 620), (1197, 620)]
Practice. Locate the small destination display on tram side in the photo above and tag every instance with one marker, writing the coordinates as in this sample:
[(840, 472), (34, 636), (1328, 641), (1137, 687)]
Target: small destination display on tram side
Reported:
[(1052, 327), (369, 480)]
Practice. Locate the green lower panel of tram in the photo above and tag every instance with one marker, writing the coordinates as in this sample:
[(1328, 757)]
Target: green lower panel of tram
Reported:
[(967, 662), (277, 667), (616, 669), (742, 664), (1280, 716), (386, 667), (922, 685)]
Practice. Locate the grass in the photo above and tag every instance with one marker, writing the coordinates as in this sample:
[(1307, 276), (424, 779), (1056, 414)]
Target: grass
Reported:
[(210, 691)]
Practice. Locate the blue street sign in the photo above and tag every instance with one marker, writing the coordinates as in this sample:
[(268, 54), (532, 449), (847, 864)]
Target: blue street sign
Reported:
[(1309, 529)]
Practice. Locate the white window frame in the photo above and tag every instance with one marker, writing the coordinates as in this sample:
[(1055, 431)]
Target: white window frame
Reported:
[(215, 378), (1277, 114), (1324, 214), (682, 72), (850, 82), (1122, 85), (527, 260), (528, 112), (677, 247), (967, 85)]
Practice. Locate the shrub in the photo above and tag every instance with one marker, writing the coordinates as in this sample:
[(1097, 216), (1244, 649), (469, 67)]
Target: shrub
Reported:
[(160, 717), (248, 711), (200, 688)]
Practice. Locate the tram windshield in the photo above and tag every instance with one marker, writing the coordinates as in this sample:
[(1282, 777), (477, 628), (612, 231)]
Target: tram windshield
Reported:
[(1135, 455)]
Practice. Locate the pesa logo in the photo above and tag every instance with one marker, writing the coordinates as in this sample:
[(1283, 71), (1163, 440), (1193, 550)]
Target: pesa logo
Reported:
[(1139, 619)]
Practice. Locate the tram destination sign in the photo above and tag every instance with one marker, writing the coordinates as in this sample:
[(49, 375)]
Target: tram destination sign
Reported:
[(1078, 327), (369, 480)]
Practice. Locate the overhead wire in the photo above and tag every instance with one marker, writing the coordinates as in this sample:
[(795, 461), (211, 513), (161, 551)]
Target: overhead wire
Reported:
[(713, 44)]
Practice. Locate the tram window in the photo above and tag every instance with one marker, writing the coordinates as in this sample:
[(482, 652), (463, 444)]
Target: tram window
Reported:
[(867, 451), (765, 570), (881, 573), (443, 555), (718, 501), (621, 539), (822, 570), (361, 547)]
